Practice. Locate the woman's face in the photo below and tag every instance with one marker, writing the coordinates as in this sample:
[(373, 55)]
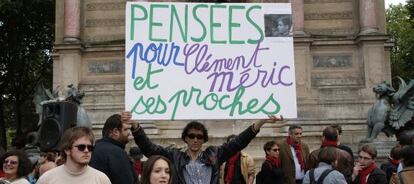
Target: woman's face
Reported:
[(274, 151), (10, 165), (160, 173)]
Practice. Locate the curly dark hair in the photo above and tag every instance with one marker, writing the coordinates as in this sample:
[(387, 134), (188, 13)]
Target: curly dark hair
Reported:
[(24, 166), (197, 126)]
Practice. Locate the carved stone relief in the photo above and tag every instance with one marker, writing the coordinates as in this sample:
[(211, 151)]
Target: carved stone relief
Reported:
[(105, 6), (339, 31), (104, 22), (329, 16), (332, 61), (325, 1), (105, 67)]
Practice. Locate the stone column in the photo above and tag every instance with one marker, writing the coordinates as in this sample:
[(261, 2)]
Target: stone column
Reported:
[(298, 17), (367, 17), (72, 21)]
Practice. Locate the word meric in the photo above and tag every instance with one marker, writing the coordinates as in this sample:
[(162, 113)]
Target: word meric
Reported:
[(140, 14)]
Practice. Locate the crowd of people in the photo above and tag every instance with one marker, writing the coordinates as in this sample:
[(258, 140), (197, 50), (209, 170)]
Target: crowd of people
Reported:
[(289, 160)]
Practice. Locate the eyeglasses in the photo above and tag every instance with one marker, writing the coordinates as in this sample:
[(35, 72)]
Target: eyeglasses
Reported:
[(275, 150), (11, 162), (82, 147), (198, 136), (363, 158)]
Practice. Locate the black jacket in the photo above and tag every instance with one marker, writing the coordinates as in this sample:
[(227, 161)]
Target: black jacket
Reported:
[(377, 176), (214, 156), (270, 174), (110, 157)]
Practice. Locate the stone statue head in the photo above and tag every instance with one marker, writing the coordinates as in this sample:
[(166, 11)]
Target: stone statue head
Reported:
[(383, 89)]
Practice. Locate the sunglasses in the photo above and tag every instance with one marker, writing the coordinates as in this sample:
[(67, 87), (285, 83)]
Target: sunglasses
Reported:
[(82, 147), (275, 150), (11, 162), (198, 136)]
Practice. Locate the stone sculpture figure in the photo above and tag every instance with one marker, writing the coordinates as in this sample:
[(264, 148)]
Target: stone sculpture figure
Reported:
[(393, 111), (75, 96), (43, 96), (378, 114)]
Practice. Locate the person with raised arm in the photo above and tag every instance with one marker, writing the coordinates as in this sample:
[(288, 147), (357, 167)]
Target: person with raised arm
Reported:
[(195, 165)]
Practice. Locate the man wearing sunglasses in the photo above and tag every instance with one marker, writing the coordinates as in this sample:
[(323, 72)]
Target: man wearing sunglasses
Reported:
[(110, 156), (194, 165), (77, 147)]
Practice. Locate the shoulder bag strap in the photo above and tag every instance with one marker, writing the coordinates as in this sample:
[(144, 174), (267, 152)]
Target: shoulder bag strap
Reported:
[(323, 175)]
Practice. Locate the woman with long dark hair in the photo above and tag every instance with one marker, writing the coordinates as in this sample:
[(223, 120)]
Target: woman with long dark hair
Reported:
[(156, 170)]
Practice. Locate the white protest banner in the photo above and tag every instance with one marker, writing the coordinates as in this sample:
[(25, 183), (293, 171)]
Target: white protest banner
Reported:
[(209, 61)]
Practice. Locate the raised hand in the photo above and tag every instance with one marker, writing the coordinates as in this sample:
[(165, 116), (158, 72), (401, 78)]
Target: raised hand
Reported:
[(271, 119)]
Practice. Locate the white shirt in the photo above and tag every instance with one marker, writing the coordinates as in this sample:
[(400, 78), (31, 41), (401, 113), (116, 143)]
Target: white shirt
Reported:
[(299, 173)]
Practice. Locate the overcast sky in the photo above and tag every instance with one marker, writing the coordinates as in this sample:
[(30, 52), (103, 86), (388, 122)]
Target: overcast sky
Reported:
[(388, 2)]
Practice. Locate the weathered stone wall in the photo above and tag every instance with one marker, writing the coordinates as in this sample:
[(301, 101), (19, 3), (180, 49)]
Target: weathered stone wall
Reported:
[(339, 55)]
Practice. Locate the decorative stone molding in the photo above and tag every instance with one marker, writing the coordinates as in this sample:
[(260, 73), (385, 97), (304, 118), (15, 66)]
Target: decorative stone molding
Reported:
[(104, 22), (337, 31), (325, 1), (332, 61), (329, 16), (336, 82), (105, 6), (103, 38), (105, 67)]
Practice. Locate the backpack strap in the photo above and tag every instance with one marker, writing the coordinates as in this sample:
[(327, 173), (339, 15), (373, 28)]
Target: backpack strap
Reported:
[(323, 175), (312, 176), (400, 176)]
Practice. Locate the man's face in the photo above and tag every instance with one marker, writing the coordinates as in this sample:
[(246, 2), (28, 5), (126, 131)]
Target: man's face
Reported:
[(194, 140), (296, 135), (282, 27), (364, 159), (121, 135), (80, 153)]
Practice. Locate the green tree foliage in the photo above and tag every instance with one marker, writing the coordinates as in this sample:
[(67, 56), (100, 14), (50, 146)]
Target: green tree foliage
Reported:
[(26, 42), (400, 26)]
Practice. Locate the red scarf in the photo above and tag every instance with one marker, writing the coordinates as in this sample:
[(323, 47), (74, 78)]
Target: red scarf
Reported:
[(138, 167), (365, 172), (329, 143), (298, 150), (274, 160), (395, 162), (1, 174), (230, 167)]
